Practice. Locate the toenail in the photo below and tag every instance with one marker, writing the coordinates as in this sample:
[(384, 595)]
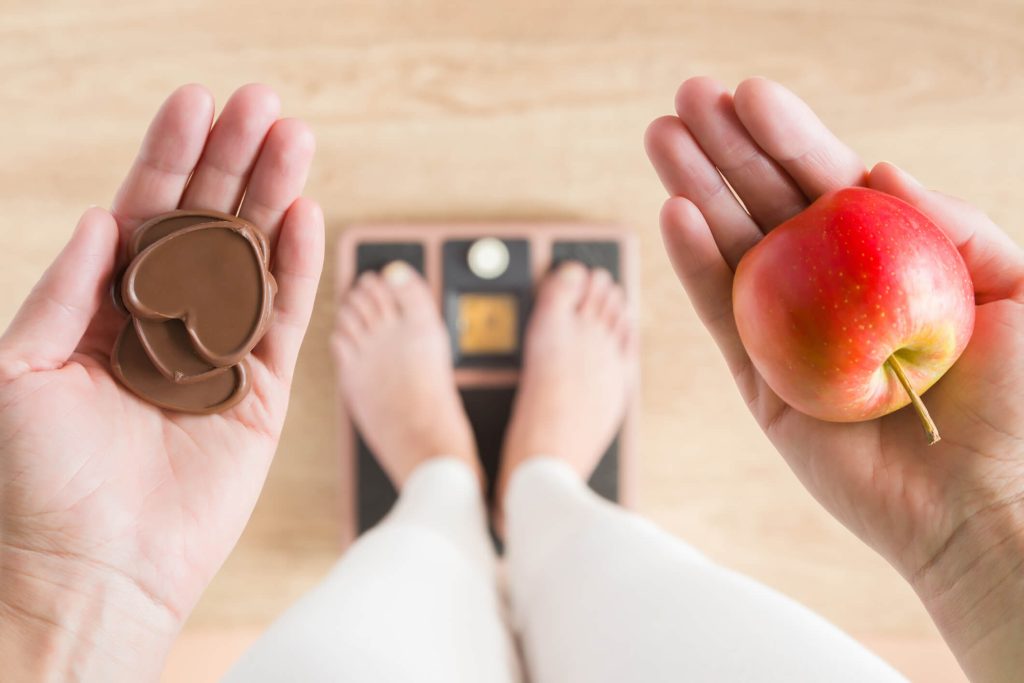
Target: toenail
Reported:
[(572, 272), (397, 273)]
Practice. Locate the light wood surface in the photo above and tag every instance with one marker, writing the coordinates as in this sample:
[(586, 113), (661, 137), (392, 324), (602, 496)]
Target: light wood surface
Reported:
[(528, 110)]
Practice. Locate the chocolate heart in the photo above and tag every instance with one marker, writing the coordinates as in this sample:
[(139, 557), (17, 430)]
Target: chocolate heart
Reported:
[(167, 342), (131, 365), (155, 229), (213, 277), (169, 347)]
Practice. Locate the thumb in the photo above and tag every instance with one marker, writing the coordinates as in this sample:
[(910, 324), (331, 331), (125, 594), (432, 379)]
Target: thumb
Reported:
[(995, 262), (56, 313)]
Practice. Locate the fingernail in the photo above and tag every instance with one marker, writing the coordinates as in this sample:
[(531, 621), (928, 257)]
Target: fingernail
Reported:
[(397, 273), (572, 272)]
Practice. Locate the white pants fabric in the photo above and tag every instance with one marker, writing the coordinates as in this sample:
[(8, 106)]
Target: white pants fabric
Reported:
[(595, 594)]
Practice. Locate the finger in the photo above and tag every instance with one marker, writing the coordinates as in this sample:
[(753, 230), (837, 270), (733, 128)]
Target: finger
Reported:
[(170, 150), (56, 313), (769, 194), (298, 260), (787, 130), (231, 150), (995, 262), (686, 171), (704, 274), (279, 175)]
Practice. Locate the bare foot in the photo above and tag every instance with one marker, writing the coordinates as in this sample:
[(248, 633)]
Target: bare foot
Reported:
[(395, 368), (577, 367)]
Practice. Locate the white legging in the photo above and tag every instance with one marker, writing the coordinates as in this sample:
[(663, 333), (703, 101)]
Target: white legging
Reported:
[(595, 594)]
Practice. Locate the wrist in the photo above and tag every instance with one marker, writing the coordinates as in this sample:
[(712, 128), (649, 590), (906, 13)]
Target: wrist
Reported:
[(974, 590), (61, 621)]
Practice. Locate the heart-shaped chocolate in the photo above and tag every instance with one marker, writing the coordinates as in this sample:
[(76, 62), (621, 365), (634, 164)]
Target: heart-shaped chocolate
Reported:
[(155, 229), (169, 347), (213, 278), (161, 226), (132, 366)]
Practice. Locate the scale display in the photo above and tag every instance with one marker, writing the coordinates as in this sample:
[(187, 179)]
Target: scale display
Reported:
[(487, 323)]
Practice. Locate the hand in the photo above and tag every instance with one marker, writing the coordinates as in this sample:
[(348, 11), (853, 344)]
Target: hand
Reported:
[(949, 517), (115, 514)]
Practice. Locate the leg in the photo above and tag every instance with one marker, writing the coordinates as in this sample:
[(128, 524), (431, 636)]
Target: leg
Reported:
[(415, 599), (599, 594)]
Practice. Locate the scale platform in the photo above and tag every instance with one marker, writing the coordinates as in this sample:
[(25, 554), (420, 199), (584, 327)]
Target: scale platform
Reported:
[(483, 277)]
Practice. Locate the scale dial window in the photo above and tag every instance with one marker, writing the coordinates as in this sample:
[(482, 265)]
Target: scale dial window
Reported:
[(487, 324)]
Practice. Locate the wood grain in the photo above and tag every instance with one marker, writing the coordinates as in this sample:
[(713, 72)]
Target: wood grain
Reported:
[(432, 110)]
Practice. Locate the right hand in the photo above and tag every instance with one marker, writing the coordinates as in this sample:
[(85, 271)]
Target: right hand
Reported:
[(949, 517)]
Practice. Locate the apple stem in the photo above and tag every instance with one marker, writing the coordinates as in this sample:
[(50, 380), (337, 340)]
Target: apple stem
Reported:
[(922, 412)]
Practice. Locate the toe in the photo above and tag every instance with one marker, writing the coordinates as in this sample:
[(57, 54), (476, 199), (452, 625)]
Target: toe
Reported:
[(409, 289), (344, 349), (379, 294), (563, 289), (348, 325), (346, 337), (625, 332), (598, 288), (362, 305), (614, 307)]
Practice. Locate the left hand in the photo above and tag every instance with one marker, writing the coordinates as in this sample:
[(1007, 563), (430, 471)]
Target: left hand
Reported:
[(116, 514)]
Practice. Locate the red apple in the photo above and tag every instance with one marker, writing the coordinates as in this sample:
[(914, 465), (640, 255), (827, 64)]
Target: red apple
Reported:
[(855, 306)]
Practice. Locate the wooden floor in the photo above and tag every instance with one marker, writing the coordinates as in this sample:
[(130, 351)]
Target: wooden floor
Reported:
[(443, 109)]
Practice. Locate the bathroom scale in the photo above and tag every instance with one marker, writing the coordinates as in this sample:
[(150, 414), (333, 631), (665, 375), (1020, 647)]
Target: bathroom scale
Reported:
[(483, 277)]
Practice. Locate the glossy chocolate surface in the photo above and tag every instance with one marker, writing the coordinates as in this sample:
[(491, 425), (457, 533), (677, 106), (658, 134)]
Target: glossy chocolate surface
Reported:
[(212, 277), (169, 347), (131, 365), (155, 229), (199, 295)]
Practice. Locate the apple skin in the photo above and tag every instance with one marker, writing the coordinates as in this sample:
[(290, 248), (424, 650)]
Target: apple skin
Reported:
[(828, 296)]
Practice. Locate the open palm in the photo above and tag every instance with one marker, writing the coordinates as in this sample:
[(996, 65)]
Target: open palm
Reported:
[(98, 487), (909, 501)]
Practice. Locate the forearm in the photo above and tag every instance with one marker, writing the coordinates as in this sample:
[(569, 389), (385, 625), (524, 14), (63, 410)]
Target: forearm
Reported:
[(974, 590), (60, 621)]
